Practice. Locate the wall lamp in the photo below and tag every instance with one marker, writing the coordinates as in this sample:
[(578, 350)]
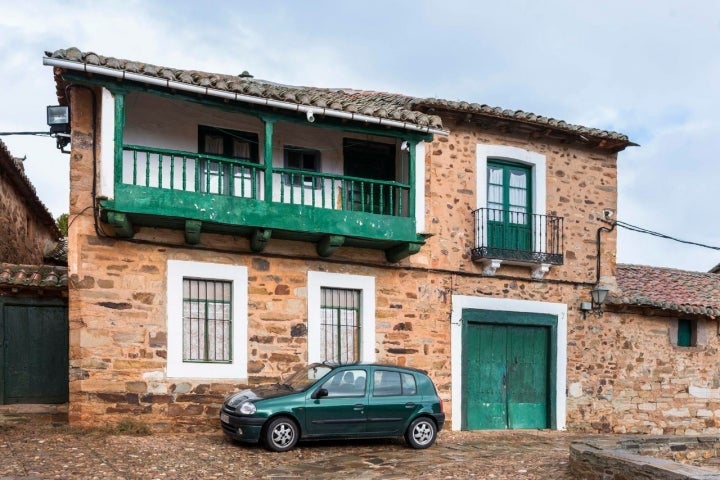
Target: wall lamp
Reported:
[(598, 296), (58, 119)]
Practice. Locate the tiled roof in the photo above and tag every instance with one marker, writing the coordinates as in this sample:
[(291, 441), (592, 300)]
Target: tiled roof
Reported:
[(668, 289), (15, 171), (372, 104), (58, 253), (519, 115), (33, 276), (418, 112)]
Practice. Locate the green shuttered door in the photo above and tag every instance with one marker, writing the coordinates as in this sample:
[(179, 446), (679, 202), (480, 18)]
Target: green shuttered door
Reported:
[(34, 353), (505, 376)]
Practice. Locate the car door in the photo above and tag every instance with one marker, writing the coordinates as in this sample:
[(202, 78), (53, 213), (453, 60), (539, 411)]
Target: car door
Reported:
[(343, 411), (394, 399)]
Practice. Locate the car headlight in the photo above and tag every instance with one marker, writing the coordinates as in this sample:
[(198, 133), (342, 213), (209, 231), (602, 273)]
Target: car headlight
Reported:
[(247, 408)]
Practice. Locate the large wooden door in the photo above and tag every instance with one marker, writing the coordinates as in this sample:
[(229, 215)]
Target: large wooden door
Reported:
[(505, 376), (33, 353)]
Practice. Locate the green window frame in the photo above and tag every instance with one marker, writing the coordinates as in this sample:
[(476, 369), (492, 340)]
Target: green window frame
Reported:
[(340, 311), (686, 332), (509, 203), (207, 320)]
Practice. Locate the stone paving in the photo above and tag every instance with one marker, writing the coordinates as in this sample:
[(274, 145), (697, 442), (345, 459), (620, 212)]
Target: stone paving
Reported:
[(41, 450)]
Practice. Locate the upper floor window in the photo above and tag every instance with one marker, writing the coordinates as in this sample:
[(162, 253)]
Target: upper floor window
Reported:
[(686, 333), (509, 207), (363, 159), (227, 178), (302, 159)]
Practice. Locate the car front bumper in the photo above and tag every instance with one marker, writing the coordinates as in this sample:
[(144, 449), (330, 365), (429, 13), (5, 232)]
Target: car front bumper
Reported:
[(241, 428)]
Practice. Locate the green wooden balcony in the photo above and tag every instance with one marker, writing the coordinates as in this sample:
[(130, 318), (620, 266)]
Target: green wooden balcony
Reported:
[(205, 193)]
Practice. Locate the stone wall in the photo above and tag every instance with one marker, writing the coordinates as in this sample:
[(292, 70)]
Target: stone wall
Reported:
[(627, 376), (24, 235), (118, 337)]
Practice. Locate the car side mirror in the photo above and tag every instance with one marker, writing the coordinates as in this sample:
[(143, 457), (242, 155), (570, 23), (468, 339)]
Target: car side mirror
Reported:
[(322, 392)]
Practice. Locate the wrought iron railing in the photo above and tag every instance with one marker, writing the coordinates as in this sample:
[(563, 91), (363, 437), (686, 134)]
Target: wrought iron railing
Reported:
[(195, 172), (518, 236)]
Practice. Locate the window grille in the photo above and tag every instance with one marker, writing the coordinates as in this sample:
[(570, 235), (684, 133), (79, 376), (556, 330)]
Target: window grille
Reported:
[(340, 328), (207, 320)]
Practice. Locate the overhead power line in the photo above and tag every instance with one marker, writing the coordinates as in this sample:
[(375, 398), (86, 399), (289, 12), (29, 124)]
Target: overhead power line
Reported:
[(635, 228)]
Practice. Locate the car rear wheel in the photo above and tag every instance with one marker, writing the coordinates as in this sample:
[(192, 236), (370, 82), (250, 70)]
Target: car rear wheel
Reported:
[(281, 434), (421, 433)]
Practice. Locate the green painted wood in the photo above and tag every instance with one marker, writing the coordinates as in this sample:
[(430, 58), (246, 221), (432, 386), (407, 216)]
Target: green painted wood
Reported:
[(328, 244), (268, 157), (192, 231), (259, 239), (118, 135), (34, 366), (527, 377), (509, 225), (684, 333), (247, 212), (123, 227), (508, 369), (402, 251), (485, 360)]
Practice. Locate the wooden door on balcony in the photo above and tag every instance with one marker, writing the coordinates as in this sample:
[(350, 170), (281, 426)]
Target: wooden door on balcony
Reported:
[(509, 207), (372, 161)]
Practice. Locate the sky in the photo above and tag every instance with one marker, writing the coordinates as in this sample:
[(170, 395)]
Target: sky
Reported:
[(648, 69)]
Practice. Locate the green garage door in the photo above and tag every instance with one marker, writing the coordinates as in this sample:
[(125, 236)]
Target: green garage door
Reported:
[(33, 353), (505, 376)]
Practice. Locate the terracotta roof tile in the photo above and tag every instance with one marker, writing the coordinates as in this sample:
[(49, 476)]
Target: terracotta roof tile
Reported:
[(669, 289), (33, 276), (381, 105), (374, 104)]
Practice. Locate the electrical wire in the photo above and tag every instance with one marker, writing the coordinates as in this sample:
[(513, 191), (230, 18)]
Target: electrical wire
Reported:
[(645, 231)]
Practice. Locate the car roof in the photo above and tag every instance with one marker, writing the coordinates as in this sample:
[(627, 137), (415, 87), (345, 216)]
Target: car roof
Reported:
[(375, 364)]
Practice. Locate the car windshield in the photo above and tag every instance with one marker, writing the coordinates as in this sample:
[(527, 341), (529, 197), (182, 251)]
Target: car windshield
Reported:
[(305, 377)]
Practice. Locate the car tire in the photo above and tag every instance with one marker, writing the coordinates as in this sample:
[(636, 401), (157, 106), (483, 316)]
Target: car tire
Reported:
[(281, 434), (421, 433)]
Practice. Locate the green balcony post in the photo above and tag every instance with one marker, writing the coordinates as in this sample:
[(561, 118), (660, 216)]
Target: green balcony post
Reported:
[(411, 180), (268, 158)]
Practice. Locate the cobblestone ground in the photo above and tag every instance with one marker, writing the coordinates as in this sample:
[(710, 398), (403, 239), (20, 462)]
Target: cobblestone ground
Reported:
[(39, 451)]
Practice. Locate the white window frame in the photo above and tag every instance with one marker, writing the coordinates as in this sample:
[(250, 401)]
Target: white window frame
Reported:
[(238, 275), (536, 162), (462, 302), (366, 284)]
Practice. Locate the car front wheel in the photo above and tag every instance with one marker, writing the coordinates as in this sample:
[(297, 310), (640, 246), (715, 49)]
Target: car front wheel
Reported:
[(421, 433), (281, 434)]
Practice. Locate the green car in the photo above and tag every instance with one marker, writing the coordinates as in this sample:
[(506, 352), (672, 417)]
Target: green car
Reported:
[(324, 401)]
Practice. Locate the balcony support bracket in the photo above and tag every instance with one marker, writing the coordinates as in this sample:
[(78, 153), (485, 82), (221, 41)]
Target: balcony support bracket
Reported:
[(328, 244), (122, 225), (259, 239), (402, 251), (192, 231), (490, 265), (539, 271)]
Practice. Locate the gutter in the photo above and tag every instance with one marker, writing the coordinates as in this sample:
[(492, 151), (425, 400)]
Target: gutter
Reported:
[(238, 97)]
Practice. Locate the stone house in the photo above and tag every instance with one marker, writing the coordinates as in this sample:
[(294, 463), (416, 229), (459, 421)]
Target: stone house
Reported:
[(242, 228), (33, 294)]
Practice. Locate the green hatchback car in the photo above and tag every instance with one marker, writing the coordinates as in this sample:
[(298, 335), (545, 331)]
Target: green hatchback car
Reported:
[(324, 401)]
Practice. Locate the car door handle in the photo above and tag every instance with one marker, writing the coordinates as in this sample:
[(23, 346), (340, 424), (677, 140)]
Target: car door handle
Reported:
[(358, 406), (410, 405)]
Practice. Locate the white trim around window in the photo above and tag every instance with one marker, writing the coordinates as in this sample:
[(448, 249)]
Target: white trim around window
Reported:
[(177, 270), (461, 302), (534, 160), (318, 280)]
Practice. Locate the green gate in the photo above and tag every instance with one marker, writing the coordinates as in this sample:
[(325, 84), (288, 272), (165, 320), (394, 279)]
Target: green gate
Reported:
[(33, 351), (508, 370)]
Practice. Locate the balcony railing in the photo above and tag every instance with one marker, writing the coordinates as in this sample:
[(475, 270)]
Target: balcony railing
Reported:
[(193, 172), (518, 236)]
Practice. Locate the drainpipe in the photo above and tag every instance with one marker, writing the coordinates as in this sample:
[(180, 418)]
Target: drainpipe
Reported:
[(214, 92), (597, 244)]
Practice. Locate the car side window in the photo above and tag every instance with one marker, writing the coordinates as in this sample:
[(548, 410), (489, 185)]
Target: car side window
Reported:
[(393, 383), (349, 383)]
